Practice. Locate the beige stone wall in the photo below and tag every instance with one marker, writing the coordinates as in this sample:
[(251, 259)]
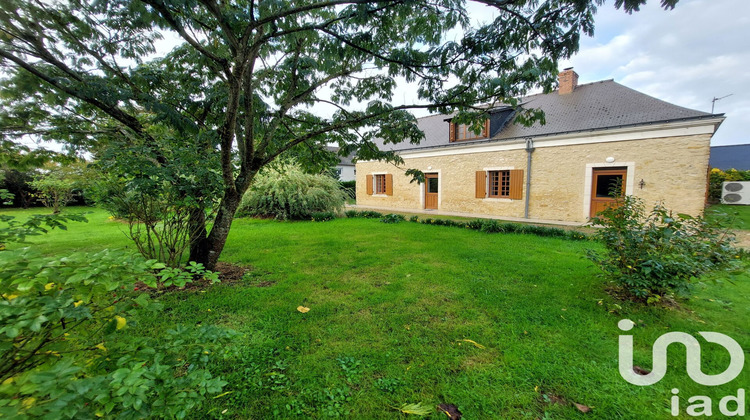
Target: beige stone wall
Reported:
[(673, 169)]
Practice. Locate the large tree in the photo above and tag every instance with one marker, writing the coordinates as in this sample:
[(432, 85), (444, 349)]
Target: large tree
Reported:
[(246, 79)]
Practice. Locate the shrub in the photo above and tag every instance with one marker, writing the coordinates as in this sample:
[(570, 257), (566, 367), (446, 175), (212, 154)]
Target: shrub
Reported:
[(350, 188), (365, 214), (287, 193), (53, 191), (491, 226), (157, 215), (64, 347), (392, 218), (323, 216), (475, 224), (414, 219), (654, 254)]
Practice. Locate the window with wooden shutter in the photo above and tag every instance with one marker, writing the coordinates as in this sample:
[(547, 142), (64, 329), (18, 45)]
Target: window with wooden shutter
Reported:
[(463, 132), (369, 184), (504, 184), (388, 184), (516, 184), (380, 184), (481, 184)]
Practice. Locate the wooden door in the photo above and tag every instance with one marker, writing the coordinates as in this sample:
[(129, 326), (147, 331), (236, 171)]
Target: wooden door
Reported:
[(431, 188), (603, 186)]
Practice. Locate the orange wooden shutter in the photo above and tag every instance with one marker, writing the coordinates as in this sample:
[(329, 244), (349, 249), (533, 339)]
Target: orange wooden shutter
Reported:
[(486, 131), (388, 184), (369, 184), (516, 184), (452, 131), (481, 184)]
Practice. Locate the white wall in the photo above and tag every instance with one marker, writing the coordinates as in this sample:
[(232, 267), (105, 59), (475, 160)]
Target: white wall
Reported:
[(347, 173)]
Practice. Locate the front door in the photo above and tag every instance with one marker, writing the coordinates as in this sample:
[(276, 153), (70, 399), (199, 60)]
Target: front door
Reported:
[(603, 188), (432, 184)]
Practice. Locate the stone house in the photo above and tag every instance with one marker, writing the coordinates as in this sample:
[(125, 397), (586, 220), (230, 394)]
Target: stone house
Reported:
[(596, 136)]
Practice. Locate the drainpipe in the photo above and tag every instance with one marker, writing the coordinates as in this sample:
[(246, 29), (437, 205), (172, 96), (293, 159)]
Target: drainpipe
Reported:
[(529, 151)]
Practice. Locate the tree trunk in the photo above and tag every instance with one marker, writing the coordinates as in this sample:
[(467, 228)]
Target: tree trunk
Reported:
[(216, 240), (199, 245)]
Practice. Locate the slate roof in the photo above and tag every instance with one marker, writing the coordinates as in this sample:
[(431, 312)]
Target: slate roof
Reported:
[(343, 160), (731, 157), (592, 106)]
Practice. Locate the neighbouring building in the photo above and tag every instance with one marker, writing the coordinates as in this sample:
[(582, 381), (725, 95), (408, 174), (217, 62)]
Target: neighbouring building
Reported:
[(345, 169), (731, 157), (596, 135)]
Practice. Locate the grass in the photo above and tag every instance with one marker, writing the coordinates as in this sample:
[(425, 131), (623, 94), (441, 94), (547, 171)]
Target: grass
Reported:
[(393, 305), (737, 217)]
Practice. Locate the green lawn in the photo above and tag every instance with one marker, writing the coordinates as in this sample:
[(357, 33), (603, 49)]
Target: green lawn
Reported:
[(738, 217), (391, 303)]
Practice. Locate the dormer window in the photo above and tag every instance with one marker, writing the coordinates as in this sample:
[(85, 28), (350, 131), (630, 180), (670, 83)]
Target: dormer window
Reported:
[(463, 132)]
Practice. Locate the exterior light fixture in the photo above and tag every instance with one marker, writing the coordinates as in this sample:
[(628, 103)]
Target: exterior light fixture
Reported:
[(642, 184), (610, 159)]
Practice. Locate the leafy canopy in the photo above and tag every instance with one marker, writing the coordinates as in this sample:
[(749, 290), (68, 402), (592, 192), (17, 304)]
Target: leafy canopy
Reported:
[(249, 80)]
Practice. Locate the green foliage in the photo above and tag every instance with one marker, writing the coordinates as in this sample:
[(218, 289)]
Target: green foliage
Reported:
[(658, 253), (179, 277), (350, 188), (53, 190), (63, 326), (323, 216), (17, 183), (717, 177), (37, 224), (365, 214), (414, 219), (166, 205), (98, 78), (6, 197), (287, 193), (392, 218), (388, 385), (496, 226)]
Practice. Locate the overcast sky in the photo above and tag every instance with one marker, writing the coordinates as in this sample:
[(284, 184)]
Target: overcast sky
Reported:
[(686, 56)]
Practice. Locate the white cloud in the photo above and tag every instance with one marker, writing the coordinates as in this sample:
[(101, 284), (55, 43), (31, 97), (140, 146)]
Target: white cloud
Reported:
[(686, 56)]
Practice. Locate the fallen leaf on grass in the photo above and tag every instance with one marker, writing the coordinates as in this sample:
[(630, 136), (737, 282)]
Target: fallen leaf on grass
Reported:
[(582, 408), (451, 411), (417, 409), (303, 309), (477, 345)]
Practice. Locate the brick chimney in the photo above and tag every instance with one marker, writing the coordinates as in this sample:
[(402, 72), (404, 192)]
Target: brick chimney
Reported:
[(567, 81)]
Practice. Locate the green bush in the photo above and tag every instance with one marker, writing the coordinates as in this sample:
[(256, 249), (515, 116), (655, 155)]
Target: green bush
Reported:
[(323, 216), (287, 193), (393, 218), (365, 214), (475, 224), (350, 188), (658, 253), (491, 226), (414, 219), (65, 349)]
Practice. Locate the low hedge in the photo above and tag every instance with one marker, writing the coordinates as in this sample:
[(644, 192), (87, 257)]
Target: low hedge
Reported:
[(482, 225)]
